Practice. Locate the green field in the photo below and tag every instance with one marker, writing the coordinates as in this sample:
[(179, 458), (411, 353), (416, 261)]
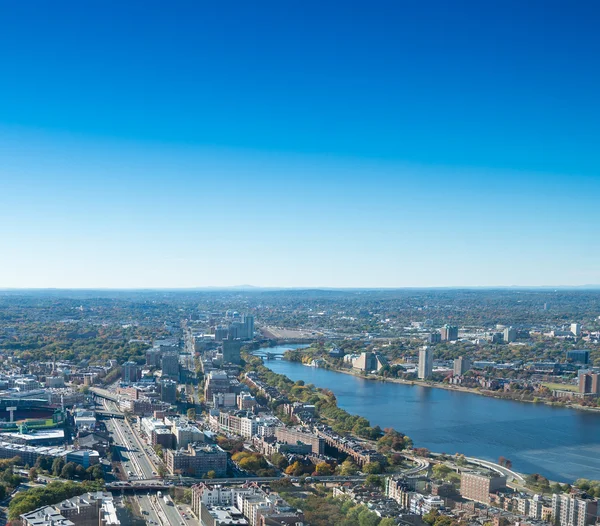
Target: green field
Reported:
[(562, 387)]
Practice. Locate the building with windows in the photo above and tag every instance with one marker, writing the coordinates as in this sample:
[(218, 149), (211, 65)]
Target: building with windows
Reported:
[(589, 384), (231, 351), (569, 510), (131, 372), (168, 391), (478, 486), (510, 334), (425, 363), (169, 364), (197, 460), (461, 365), (449, 333), (578, 356)]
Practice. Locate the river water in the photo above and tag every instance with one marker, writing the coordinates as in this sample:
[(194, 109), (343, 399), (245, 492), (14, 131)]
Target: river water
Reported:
[(560, 443)]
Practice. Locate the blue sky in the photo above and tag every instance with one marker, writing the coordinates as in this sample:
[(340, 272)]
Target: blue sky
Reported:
[(351, 144)]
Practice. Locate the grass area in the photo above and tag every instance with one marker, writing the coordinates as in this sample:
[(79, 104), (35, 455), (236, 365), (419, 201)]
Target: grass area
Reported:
[(563, 387)]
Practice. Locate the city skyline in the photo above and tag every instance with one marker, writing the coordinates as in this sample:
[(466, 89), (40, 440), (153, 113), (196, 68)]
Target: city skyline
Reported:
[(299, 146)]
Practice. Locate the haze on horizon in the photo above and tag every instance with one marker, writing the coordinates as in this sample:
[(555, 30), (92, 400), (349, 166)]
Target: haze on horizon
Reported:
[(299, 145)]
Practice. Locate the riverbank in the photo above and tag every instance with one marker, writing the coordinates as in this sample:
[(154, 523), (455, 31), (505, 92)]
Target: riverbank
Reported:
[(559, 443), (461, 389)]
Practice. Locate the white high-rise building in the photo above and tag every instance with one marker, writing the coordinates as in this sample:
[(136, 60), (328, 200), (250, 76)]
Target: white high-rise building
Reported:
[(576, 329), (425, 363)]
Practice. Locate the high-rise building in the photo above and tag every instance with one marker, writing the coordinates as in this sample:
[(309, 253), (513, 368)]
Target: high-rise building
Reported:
[(449, 333), (216, 382), (221, 333), (153, 357), (248, 321), (169, 364), (576, 329), (435, 337), (231, 351), (569, 510), (510, 334), (425, 363), (168, 391), (131, 372), (589, 383), (236, 331), (461, 365), (578, 356)]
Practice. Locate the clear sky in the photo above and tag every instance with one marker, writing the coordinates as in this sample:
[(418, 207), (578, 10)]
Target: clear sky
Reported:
[(299, 143)]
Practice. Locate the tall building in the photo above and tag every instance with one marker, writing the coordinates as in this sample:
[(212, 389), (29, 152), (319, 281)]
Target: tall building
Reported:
[(131, 372), (461, 365), (231, 351), (434, 337), (477, 486), (449, 333), (568, 510), (510, 334), (216, 382), (170, 365), (589, 383), (425, 363), (221, 333), (578, 356), (576, 329), (168, 391), (248, 321), (153, 357)]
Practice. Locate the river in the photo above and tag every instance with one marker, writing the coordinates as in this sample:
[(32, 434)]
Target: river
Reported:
[(560, 443)]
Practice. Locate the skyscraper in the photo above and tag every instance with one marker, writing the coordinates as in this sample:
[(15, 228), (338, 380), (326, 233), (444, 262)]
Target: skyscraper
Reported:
[(168, 391), (248, 321), (425, 363), (576, 329), (461, 366), (449, 333), (170, 365), (130, 372), (231, 351), (510, 334)]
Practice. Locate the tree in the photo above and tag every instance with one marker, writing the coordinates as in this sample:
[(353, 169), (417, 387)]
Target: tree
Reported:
[(191, 413), (374, 480), (68, 471), (373, 468), (33, 474), (211, 474), (57, 466), (322, 469), (162, 471), (441, 471), (387, 521), (348, 468)]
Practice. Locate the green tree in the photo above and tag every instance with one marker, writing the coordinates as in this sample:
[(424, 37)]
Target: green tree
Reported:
[(348, 468), (57, 466), (68, 471), (374, 468), (191, 413), (33, 474), (441, 471)]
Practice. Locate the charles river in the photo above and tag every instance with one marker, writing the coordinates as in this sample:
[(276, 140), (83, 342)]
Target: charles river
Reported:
[(560, 443)]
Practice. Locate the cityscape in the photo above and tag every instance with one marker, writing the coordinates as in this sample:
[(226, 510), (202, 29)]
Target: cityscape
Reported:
[(171, 407), (284, 263)]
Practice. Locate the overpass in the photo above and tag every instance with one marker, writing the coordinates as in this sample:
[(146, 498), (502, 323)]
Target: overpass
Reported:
[(107, 414), (104, 393)]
